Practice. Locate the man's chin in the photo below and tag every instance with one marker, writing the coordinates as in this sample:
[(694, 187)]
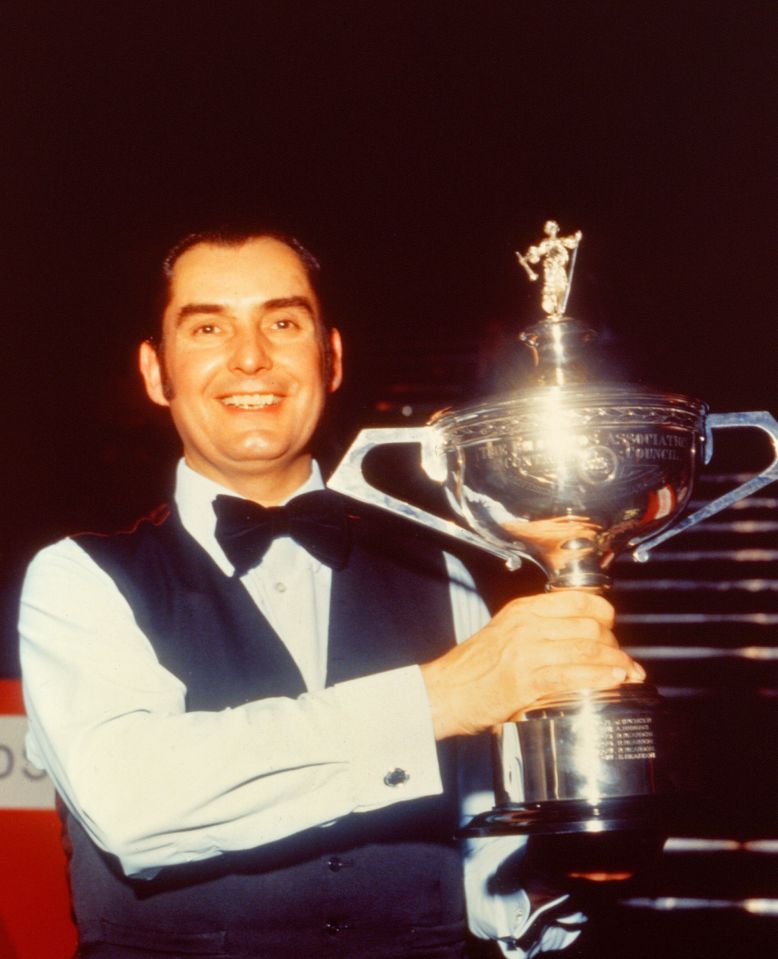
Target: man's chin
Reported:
[(267, 463), (264, 455), (242, 461)]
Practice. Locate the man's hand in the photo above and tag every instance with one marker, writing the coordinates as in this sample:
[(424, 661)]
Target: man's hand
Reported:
[(552, 643)]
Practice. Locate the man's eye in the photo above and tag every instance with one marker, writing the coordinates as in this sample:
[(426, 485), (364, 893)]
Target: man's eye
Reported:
[(205, 328), (285, 323)]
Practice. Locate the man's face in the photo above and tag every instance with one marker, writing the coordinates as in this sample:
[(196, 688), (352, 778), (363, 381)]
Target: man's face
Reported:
[(242, 366)]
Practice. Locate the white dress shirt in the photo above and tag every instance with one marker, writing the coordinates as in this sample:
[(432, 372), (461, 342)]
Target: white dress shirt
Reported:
[(159, 786)]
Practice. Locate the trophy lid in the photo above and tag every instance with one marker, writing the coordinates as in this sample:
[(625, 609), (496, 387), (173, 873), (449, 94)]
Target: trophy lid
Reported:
[(558, 342)]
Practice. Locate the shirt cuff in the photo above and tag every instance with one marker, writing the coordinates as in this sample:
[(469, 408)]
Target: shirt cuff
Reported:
[(390, 737), (493, 913), (503, 912), (547, 930)]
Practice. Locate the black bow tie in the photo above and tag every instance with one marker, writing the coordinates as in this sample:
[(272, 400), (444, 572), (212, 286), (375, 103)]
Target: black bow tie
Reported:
[(316, 520)]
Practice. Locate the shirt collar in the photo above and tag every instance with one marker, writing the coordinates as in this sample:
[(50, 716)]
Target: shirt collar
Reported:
[(194, 498)]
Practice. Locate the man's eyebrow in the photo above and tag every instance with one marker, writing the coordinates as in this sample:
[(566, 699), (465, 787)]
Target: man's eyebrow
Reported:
[(285, 301), (217, 309), (198, 309)]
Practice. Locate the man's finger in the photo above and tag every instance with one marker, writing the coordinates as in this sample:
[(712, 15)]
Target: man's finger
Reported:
[(565, 603), (552, 679), (575, 652)]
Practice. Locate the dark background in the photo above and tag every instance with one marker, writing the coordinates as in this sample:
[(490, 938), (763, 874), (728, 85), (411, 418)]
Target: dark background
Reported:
[(414, 146)]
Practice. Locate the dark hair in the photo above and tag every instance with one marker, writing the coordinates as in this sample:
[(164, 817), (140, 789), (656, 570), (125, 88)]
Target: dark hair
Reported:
[(235, 237), (231, 236)]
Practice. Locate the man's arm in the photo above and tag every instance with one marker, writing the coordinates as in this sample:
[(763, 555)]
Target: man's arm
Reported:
[(158, 786)]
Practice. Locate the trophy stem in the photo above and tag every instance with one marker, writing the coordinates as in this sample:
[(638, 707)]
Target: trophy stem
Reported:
[(578, 563)]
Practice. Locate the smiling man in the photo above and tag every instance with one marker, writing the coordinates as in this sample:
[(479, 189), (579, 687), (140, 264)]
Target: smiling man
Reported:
[(246, 365), (258, 706)]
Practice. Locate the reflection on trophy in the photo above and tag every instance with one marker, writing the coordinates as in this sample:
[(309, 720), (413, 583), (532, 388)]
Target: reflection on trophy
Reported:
[(567, 473)]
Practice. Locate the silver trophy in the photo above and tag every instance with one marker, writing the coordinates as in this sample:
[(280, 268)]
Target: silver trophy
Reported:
[(566, 474)]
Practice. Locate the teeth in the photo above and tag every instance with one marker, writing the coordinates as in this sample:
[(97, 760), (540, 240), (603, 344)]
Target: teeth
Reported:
[(251, 401)]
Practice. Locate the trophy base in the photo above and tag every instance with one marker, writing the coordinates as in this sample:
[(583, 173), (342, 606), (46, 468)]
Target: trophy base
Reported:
[(623, 814)]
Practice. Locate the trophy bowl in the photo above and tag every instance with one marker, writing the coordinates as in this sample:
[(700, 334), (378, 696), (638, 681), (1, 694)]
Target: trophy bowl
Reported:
[(572, 474)]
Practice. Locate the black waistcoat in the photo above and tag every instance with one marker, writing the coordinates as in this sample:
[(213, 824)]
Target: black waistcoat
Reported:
[(380, 884)]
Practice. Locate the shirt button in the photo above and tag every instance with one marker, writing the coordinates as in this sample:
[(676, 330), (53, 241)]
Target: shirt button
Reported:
[(396, 777), (280, 587), (335, 864)]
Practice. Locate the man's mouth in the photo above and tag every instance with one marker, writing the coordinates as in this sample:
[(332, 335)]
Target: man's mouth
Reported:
[(251, 401)]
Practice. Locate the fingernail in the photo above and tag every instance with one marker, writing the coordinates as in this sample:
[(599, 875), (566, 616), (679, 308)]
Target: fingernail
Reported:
[(638, 672)]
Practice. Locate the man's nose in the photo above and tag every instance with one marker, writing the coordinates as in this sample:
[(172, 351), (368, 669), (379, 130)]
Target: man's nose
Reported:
[(251, 352)]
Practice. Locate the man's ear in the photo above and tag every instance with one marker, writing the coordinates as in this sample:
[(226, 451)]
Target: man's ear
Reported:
[(151, 371), (336, 361)]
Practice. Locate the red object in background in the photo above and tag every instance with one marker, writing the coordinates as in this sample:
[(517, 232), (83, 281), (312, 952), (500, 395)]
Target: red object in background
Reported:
[(35, 918)]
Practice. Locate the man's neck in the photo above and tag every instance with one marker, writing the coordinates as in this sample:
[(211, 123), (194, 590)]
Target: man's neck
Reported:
[(267, 489)]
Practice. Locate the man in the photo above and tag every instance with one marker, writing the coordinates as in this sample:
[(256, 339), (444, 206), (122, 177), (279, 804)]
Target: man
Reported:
[(252, 761)]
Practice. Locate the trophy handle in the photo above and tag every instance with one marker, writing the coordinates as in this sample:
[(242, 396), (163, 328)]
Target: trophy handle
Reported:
[(350, 480), (759, 420)]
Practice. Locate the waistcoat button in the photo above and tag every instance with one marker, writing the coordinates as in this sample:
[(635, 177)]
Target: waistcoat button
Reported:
[(335, 864)]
